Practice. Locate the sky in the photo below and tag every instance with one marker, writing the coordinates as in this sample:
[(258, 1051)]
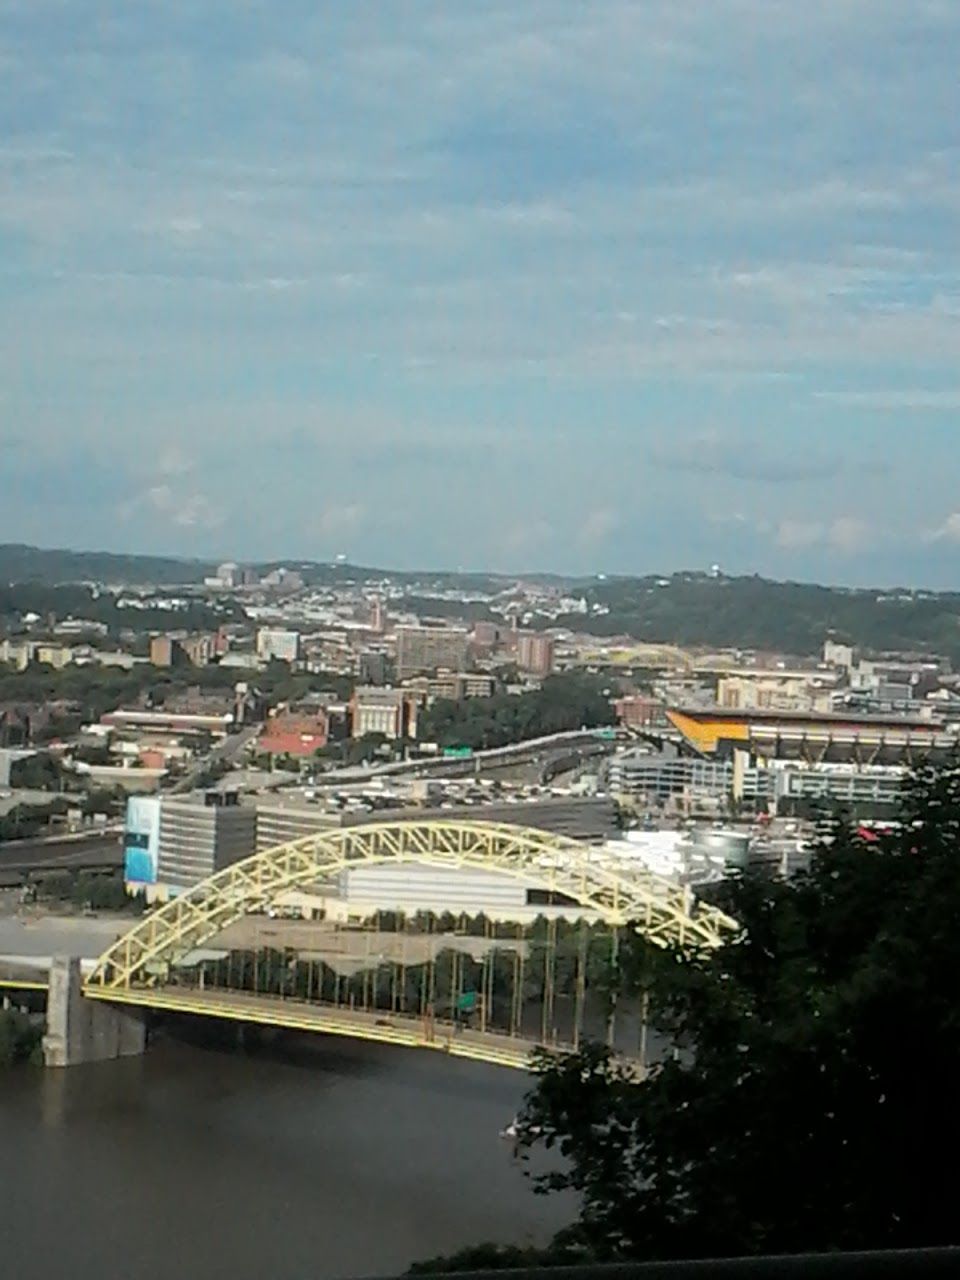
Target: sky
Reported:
[(620, 286)]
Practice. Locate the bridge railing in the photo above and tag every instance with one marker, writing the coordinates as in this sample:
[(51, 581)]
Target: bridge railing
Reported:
[(900, 1264)]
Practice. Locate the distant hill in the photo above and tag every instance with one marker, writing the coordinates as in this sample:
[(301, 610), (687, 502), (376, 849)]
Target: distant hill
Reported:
[(20, 563), (691, 609), (33, 564), (756, 613)]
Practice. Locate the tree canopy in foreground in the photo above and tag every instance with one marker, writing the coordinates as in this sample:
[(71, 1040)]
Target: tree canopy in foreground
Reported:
[(810, 1102)]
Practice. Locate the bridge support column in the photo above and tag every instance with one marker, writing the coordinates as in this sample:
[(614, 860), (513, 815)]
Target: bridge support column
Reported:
[(81, 1030)]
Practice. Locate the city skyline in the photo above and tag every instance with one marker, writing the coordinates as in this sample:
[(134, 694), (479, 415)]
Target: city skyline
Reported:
[(625, 289)]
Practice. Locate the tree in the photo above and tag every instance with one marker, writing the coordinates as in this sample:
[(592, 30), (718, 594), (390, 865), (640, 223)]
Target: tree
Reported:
[(39, 772), (563, 703), (367, 747), (809, 1100), (20, 1037)]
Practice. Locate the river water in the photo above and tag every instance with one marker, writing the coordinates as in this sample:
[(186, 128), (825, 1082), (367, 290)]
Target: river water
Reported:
[(310, 1158)]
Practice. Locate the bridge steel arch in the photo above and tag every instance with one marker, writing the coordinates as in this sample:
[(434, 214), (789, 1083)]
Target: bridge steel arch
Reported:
[(617, 892)]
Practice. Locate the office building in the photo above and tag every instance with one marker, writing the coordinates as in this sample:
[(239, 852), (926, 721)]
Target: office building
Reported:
[(200, 649), (275, 644), (140, 720), (279, 822), (640, 711), (659, 778), (453, 685), (486, 636), (839, 655), (165, 651), (894, 682), (20, 653), (382, 710), (535, 652), (863, 788), (776, 690), (372, 667), (201, 835), (283, 580), (425, 649)]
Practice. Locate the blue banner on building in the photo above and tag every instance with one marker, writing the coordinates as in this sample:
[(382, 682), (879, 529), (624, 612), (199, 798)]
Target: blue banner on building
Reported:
[(141, 841)]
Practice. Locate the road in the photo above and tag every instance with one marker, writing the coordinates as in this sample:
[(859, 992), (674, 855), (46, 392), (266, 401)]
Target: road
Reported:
[(299, 1015), (49, 935), (95, 852), (226, 752)]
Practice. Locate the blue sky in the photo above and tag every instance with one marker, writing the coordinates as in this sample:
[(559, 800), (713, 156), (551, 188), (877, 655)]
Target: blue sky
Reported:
[(618, 286)]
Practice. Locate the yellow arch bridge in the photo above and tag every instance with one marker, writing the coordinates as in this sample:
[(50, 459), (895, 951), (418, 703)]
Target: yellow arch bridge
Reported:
[(474, 988)]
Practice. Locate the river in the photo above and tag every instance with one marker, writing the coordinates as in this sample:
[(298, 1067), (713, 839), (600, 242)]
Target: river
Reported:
[(310, 1158)]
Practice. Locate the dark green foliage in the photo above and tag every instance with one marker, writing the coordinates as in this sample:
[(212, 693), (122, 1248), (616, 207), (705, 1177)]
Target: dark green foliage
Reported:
[(810, 1105), (354, 751), (410, 986), (497, 1257), (20, 563), (105, 892), (25, 821), (563, 703), (90, 691), (101, 606), (467, 611), (754, 612), (20, 1037)]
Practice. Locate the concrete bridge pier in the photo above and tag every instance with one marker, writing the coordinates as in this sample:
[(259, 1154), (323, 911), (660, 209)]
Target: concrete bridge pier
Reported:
[(81, 1030)]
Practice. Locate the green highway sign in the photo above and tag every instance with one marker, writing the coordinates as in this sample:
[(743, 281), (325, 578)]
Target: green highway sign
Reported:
[(457, 753)]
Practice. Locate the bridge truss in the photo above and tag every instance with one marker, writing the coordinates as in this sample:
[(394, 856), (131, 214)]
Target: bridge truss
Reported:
[(146, 964)]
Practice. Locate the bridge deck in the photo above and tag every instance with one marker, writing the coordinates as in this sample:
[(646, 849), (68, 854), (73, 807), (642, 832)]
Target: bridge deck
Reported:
[(384, 1027)]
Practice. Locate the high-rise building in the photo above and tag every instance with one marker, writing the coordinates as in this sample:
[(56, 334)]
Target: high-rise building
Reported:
[(201, 835), (376, 614), (535, 652), (422, 649), (274, 643)]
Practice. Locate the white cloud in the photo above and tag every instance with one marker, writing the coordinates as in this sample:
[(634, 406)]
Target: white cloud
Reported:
[(341, 520), (849, 534), (166, 506), (795, 534), (598, 525), (948, 531), (184, 509), (845, 534)]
